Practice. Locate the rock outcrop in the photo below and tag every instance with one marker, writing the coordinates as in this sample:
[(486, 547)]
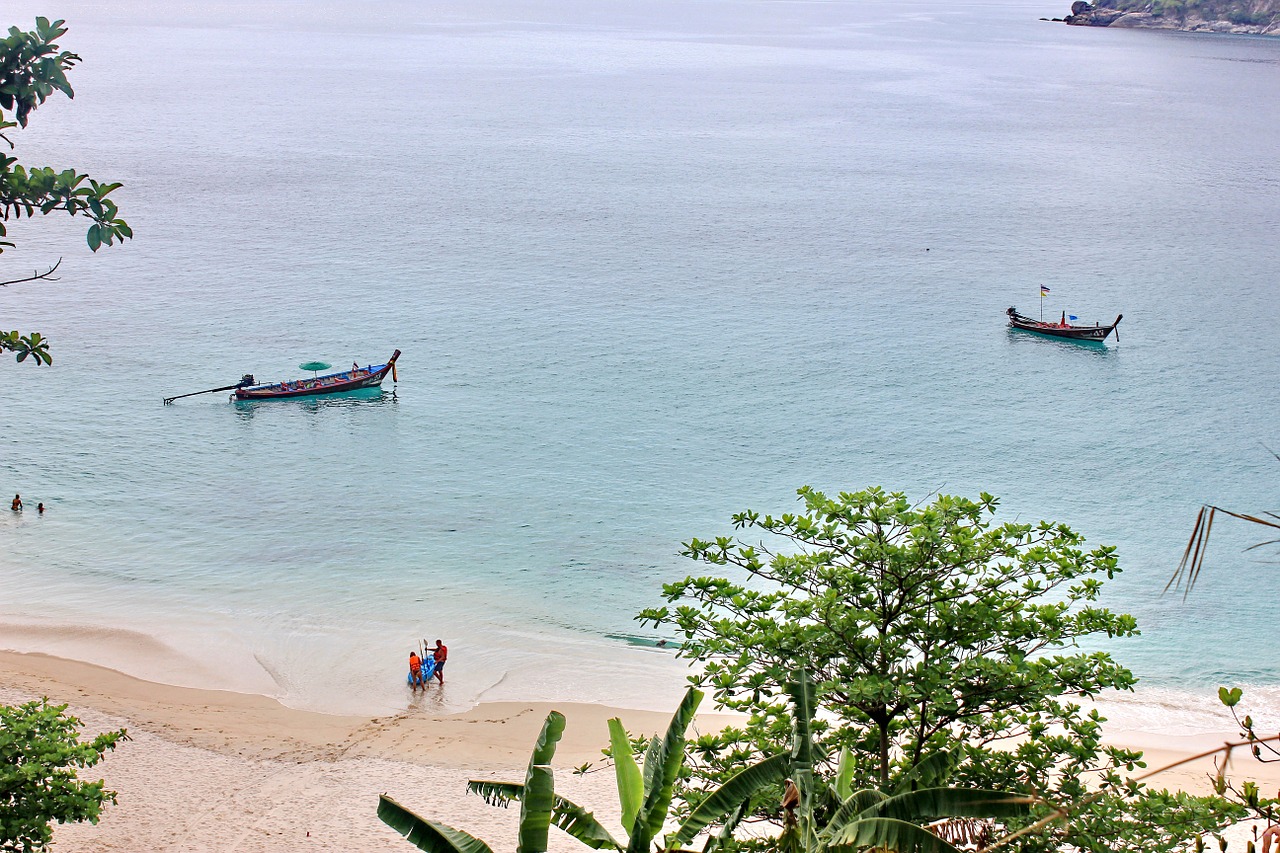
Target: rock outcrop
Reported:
[(1253, 17)]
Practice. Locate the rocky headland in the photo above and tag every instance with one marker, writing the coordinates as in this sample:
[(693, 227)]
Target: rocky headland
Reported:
[(1251, 17)]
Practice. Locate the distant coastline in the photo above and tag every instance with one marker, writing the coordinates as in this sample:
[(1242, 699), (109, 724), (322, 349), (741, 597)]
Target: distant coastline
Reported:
[(1240, 17)]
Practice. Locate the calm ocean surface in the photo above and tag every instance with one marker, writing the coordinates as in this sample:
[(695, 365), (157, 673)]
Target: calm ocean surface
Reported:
[(649, 263)]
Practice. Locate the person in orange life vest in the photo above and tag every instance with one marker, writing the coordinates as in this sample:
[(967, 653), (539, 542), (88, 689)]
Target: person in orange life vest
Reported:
[(441, 654), (415, 671)]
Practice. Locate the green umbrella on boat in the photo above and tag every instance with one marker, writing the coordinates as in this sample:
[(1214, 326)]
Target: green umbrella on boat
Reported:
[(315, 366)]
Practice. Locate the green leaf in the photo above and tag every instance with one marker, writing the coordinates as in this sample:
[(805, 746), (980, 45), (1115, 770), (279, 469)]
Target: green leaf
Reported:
[(552, 730), (929, 772), (535, 810), (850, 810), (499, 794), (722, 802), (661, 767), (582, 825), (1231, 697), (425, 834), (627, 773), (565, 814), (844, 775), (930, 804), (891, 836), (539, 787), (94, 237)]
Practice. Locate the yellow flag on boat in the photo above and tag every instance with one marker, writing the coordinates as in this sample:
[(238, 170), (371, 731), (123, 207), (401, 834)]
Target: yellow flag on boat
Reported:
[(1044, 291)]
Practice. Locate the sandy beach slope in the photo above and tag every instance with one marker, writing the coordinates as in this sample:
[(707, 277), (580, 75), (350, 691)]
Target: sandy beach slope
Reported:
[(210, 770)]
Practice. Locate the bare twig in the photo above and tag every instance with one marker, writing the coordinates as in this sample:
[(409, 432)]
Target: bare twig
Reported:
[(36, 275)]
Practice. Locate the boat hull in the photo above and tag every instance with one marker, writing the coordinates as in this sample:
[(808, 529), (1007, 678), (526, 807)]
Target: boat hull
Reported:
[(1095, 333), (332, 383)]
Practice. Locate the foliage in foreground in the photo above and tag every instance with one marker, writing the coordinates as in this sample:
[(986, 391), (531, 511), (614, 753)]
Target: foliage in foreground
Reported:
[(40, 755), (917, 816), (645, 796), (859, 819), (33, 67), (927, 628)]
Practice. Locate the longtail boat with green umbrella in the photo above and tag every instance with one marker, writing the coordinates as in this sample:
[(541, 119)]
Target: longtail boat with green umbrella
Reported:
[(331, 383)]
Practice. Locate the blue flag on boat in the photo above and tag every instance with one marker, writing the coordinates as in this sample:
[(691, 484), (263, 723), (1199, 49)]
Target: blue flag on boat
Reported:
[(1072, 317)]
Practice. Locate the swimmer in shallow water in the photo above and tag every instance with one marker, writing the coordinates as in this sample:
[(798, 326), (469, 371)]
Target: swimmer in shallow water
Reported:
[(16, 506)]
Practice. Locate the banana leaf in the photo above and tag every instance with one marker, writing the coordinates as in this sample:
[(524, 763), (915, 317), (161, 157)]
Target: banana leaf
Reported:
[(630, 782), (552, 730), (855, 806), (844, 775), (500, 794), (582, 825), (565, 814), (425, 834), (890, 836), (726, 832), (724, 800), (535, 810), (539, 788), (803, 695), (662, 765), (929, 804)]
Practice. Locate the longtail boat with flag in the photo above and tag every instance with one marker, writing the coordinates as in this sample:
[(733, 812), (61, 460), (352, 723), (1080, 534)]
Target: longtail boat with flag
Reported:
[(1063, 329), (354, 379)]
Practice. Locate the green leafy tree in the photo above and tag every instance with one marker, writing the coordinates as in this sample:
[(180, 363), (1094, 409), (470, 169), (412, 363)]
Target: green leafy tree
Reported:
[(40, 756), (926, 628), (33, 67)]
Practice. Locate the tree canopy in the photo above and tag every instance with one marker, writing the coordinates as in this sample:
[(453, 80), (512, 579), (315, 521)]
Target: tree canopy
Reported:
[(926, 628), (40, 755), (33, 67)]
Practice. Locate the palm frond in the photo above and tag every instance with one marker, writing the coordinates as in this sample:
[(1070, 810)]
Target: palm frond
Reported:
[(1192, 562)]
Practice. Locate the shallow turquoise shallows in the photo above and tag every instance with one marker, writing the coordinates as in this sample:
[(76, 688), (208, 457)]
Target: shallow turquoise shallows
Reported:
[(649, 263)]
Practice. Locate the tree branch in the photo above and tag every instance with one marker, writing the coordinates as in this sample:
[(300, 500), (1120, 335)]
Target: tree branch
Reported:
[(35, 275)]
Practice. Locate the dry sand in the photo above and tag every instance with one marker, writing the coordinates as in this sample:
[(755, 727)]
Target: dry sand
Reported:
[(210, 770)]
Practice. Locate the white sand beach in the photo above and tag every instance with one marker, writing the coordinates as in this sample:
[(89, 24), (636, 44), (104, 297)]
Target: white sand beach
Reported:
[(210, 770)]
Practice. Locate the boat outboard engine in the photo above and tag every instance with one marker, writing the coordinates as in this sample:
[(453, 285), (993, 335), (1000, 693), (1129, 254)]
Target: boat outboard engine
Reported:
[(246, 380)]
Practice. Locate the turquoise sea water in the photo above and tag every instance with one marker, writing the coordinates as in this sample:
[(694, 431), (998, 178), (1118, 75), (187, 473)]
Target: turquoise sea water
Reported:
[(649, 263)]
